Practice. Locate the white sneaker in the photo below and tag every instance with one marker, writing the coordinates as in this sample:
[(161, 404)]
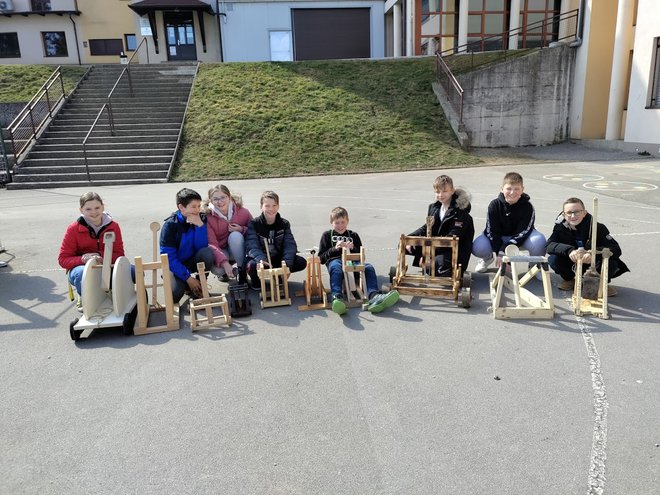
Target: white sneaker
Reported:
[(482, 266)]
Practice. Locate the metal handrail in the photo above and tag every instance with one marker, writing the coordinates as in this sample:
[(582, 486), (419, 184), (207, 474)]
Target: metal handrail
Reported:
[(108, 103), (29, 112), (111, 123), (443, 67)]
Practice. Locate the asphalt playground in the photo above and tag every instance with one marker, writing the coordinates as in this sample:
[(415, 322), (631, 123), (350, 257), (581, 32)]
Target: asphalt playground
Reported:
[(424, 398)]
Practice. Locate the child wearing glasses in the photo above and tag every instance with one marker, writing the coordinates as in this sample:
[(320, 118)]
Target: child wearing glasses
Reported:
[(510, 220), (572, 230), (227, 224), (270, 228)]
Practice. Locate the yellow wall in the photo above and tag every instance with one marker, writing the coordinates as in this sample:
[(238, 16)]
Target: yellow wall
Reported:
[(600, 46), (104, 19)]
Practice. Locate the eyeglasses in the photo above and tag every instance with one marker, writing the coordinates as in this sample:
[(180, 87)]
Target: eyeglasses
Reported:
[(218, 199), (574, 213)]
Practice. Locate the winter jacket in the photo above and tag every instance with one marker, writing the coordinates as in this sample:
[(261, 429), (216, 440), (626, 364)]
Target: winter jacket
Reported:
[(456, 222), (327, 249), (218, 230), (515, 221), (281, 243), (565, 239), (180, 241), (80, 238)]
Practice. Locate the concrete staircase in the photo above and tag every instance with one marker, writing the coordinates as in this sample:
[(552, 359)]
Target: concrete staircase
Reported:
[(147, 129)]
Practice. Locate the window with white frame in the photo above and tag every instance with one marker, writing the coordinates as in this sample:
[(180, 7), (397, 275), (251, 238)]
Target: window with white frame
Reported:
[(280, 46)]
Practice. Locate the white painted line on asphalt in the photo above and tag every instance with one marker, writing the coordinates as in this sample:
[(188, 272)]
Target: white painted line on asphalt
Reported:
[(596, 482)]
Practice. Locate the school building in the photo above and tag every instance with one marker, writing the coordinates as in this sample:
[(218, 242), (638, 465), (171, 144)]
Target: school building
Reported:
[(615, 90)]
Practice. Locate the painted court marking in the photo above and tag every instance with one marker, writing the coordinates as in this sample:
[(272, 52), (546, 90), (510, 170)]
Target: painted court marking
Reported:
[(619, 186), (573, 177)]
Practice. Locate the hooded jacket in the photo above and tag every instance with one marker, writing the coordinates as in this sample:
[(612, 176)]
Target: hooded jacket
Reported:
[(218, 230), (504, 220), (565, 239), (80, 238), (456, 222), (180, 240), (281, 243)]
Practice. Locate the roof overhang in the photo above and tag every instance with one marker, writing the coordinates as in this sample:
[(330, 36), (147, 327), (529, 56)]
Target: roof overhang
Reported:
[(42, 13), (147, 6)]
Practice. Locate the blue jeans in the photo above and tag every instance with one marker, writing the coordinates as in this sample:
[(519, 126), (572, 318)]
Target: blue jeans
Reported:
[(535, 244), (337, 277), (76, 274)]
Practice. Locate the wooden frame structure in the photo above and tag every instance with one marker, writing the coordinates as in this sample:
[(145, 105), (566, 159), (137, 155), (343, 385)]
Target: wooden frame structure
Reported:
[(144, 308), (426, 284), (527, 305), (599, 307), (274, 285), (207, 303), (313, 290), (352, 264)]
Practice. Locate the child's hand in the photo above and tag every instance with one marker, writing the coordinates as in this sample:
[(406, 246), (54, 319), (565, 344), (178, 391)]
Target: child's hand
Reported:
[(88, 256), (194, 220), (234, 227)]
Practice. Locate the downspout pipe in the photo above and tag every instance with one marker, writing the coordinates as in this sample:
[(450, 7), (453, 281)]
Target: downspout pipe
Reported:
[(218, 15), (580, 27), (75, 34)]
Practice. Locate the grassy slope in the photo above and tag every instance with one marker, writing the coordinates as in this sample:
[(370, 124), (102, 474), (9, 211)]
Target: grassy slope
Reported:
[(283, 119), (19, 83)]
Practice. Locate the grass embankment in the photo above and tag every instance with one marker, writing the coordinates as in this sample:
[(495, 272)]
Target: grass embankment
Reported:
[(249, 120), (19, 83)]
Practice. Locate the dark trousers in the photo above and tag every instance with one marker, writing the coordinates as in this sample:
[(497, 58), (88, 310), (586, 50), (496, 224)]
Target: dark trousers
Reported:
[(299, 264), (565, 268), (179, 286)]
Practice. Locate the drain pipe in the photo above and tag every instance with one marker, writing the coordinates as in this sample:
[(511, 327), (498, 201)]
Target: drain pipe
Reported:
[(580, 27), (218, 15), (75, 34)]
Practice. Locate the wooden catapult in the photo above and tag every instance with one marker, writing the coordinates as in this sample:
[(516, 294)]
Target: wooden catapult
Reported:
[(144, 308), (315, 294), (427, 284), (353, 266), (527, 305), (208, 303), (590, 292), (274, 283)]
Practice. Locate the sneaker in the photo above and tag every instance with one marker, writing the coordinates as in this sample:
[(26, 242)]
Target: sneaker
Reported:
[(611, 291), (79, 307), (3, 264), (483, 264), (566, 285), (338, 305), (381, 301)]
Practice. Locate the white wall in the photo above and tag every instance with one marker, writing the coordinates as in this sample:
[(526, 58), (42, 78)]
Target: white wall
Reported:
[(245, 28), (642, 124)]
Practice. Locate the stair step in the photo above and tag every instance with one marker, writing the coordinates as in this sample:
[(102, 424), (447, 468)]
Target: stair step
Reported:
[(81, 169), (82, 183), (106, 160), (82, 175), (92, 145)]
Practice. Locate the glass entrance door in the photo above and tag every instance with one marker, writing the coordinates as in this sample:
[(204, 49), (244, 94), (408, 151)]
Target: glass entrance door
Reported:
[(180, 35)]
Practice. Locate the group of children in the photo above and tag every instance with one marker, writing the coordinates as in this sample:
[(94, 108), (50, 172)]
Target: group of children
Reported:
[(223, 235)]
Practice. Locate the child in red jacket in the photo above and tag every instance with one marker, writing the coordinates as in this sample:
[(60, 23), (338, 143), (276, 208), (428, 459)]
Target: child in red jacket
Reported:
[(83, 239)]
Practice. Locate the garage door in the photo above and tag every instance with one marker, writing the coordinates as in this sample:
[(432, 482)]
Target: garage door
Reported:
[(320, 34)]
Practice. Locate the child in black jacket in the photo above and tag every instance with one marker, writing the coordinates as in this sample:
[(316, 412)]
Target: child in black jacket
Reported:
[(332, 243), (572, 230), (271, 228)]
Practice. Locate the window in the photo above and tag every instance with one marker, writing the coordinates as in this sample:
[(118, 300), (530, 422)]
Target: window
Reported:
[(131, 42), (41, 5), (280, 46), (55, 44), (9, 45), (655, 76), (105, 47)]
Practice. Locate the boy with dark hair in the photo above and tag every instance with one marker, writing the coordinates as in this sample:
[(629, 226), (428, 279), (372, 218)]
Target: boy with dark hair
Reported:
[(451, 217), (184, 239), (573, 230), (272, 229), (510, 220), (332, 243)]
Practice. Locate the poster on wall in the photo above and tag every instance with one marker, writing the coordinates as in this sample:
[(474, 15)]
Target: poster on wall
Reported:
[(145, 28)]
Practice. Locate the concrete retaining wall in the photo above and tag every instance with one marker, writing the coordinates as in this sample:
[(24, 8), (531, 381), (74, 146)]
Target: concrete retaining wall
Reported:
[(520, 102)]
